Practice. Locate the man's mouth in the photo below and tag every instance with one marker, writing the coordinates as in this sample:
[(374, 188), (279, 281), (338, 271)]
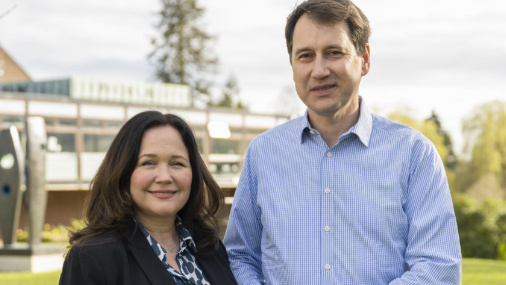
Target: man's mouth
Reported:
[(324, 87)]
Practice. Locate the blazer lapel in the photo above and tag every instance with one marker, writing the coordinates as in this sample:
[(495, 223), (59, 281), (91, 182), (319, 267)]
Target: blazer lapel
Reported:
[(148, 261), (208, 265)]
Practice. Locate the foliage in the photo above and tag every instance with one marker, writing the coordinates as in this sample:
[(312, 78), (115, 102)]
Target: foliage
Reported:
[(182, 50), (230, 97), (481, 226), (485, 148), (451, 160), (52, 233)]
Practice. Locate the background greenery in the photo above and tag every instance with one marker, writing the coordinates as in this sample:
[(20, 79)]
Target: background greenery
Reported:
[(477, 175)]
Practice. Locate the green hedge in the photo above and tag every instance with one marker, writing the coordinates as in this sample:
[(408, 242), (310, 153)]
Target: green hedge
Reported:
[(482, 227)]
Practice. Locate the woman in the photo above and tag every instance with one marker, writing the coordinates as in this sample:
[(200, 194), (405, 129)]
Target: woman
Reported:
[(150, 212)]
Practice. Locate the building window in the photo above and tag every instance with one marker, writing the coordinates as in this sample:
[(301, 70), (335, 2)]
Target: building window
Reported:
[(65, 122), (113, 124), (48, 121), (92, 123), (197, 128), (97, 143), (13, 120), (200, 144), (255, 131), (61, 142), (236, 130), (225, 146)]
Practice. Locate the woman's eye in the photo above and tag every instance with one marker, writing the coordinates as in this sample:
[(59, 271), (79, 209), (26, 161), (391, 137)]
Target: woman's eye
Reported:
[(149, 162)]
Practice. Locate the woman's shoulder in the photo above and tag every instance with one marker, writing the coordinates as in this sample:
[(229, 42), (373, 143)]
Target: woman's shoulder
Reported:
[(104, 244)]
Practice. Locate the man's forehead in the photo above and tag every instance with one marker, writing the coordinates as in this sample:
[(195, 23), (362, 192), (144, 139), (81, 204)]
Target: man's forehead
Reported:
[(308, 30)]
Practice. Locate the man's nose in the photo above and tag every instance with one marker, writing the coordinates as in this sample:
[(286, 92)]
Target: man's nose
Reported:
[(320, 68)]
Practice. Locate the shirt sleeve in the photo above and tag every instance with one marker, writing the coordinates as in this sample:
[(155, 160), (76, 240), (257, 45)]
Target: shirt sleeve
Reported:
[(244, 230), (433, 249)]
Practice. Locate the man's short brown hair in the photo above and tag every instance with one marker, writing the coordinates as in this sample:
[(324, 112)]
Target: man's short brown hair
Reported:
[(330, 12)]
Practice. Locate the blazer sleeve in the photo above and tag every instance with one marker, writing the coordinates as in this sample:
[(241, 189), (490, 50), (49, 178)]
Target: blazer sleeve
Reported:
[(82, 267)]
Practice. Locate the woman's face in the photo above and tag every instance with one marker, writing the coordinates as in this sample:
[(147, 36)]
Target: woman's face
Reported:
[(161, 182)]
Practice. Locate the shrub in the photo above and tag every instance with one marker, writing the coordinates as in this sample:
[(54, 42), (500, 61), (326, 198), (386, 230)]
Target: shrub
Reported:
[(482, 227)]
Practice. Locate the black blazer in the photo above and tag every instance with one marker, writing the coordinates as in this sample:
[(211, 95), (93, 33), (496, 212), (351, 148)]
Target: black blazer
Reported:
[(133, 262)]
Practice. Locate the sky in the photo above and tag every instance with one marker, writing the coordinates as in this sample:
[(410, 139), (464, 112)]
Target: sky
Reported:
[(442, 55)]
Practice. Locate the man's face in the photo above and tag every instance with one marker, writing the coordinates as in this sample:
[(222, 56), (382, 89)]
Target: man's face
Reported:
[(326, 67)]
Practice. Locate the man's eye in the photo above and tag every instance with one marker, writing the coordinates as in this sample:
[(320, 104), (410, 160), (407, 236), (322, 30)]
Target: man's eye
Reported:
[(335, 52), (305, 57)]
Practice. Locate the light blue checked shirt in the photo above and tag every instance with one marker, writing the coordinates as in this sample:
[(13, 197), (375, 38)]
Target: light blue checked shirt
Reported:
[(373, 209)]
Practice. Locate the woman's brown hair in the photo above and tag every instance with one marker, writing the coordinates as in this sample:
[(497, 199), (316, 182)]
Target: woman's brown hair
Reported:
[(109, 208)]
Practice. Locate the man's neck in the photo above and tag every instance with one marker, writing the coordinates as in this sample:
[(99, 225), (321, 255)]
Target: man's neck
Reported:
[(332, 127)]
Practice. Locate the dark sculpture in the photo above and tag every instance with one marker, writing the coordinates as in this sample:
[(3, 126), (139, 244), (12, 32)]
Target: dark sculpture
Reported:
[(12, 173), (11, 183)]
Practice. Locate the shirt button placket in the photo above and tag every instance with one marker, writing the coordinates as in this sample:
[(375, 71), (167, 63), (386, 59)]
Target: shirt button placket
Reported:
[(327, 217)]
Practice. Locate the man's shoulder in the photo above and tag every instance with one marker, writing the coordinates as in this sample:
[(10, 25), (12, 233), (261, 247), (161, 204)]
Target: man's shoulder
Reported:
[(391, 129), (291, 128)]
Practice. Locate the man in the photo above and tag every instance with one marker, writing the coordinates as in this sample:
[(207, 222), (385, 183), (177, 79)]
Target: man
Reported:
[(340, 196)]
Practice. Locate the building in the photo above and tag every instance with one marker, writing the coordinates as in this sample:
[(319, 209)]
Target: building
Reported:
[(10, 71), (82, 116)]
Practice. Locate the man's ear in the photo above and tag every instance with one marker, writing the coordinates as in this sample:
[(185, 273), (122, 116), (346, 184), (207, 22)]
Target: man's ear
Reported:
[(366, 57)]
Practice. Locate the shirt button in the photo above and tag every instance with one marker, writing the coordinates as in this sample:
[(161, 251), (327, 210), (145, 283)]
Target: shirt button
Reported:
[(329, 154), (327, 228), (311, 132), (327, 266), (327, 191)]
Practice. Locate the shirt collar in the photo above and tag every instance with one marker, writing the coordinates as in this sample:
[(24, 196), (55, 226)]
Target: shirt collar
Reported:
[(362, 129), (185, 238)]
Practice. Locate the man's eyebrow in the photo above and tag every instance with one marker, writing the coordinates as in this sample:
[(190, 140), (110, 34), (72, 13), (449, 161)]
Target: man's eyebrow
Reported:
[(306, 49), (300, 50)]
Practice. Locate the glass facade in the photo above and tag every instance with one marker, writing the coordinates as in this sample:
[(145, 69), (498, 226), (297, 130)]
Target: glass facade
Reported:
[(57, 142), (87, 123), (223, 146), (65, 122), (97, 143), (80, 133)]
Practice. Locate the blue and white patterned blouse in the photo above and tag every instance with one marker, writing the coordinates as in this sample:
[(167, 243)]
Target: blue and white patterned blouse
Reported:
[(191, 273)]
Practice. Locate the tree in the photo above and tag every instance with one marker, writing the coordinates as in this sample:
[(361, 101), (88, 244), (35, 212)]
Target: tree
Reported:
[(230, 97), (451, 160), (485, 148), (182, 52)]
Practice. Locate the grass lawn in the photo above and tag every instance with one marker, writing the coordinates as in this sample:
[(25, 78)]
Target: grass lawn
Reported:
[(475, 272), (483, 271), (25, 278)]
